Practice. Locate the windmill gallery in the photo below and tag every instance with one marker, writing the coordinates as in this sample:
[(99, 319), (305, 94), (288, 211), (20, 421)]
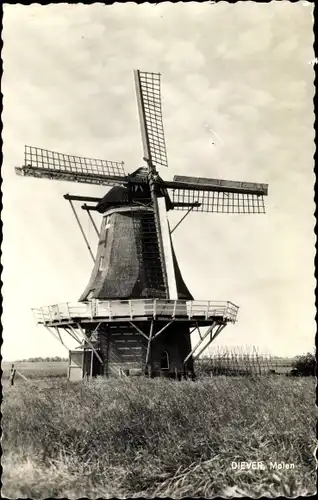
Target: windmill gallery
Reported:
[(136, 314)]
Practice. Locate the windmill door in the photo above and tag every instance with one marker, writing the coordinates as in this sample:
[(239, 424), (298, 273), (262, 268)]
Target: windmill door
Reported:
[(76, 364)]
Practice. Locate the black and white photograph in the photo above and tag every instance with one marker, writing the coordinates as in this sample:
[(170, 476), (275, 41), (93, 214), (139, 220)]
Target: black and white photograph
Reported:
[(158, 250)]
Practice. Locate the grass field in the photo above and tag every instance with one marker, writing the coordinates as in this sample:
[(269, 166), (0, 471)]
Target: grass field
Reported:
[(35, 370), (132, 438)]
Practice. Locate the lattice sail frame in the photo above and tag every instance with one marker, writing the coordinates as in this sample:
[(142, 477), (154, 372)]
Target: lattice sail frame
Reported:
[(218, 201), (148, 88), (226, 185), (40, 162), (217, 195)]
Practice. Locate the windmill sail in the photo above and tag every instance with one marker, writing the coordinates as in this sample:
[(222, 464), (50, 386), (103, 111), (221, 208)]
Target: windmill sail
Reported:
[(42, 163), (150, 114), (217, 195), (222, 185), (215, 201)]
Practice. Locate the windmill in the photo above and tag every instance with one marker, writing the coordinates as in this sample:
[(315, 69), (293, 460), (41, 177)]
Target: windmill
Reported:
[(136, 312)]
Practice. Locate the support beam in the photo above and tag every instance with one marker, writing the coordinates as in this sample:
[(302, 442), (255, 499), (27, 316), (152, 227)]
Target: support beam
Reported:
[(57, 331), (149, 342), (70, 330), (177, 204), (212, 338), (162, 329), (138, 330), (208, 332), (81, 198), (182, 218), (56, 337), (199, 331), (21, 375), (92, 220), (89, 208), (89, 343), (82, 230), (97, 327), (91, 366)]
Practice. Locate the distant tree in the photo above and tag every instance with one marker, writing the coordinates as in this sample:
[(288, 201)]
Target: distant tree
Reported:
[(304, 365), (40, 359)]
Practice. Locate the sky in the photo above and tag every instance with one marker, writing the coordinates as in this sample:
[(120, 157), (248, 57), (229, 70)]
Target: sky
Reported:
[(237, 89)]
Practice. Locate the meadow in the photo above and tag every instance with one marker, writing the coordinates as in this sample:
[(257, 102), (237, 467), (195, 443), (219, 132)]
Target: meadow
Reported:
[(140, 437), (36, 370)]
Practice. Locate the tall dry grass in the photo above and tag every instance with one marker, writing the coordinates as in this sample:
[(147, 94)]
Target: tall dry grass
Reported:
[(129, 438)]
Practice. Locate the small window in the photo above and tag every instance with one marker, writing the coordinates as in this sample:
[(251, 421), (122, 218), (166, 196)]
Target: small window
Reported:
[(101, 263), (164, 361)]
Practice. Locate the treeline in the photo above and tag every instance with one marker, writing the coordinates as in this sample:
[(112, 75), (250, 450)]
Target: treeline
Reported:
[(40, 359)]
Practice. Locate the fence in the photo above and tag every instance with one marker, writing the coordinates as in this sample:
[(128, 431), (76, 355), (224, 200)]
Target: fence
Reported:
[(239, 361)]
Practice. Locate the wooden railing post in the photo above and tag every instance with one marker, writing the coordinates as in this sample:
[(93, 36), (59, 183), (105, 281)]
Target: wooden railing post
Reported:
[(190, 310), (68, 309), (174, 309), (130, 309), (207, 311), (155, 308), (110, 312), (58, 312)]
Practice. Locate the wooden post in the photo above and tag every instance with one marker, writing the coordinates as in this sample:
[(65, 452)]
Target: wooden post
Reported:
[(174, 309), (50, 313), (207, 310), (83, 363), (68, 309), (190, 310), (19, 373), (91, 367), (149, 341), (155, 308), (69, 365), (12, 375), (110, 312)]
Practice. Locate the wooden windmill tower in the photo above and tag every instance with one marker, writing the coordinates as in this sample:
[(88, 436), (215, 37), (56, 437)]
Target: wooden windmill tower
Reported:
[(136, 312)]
